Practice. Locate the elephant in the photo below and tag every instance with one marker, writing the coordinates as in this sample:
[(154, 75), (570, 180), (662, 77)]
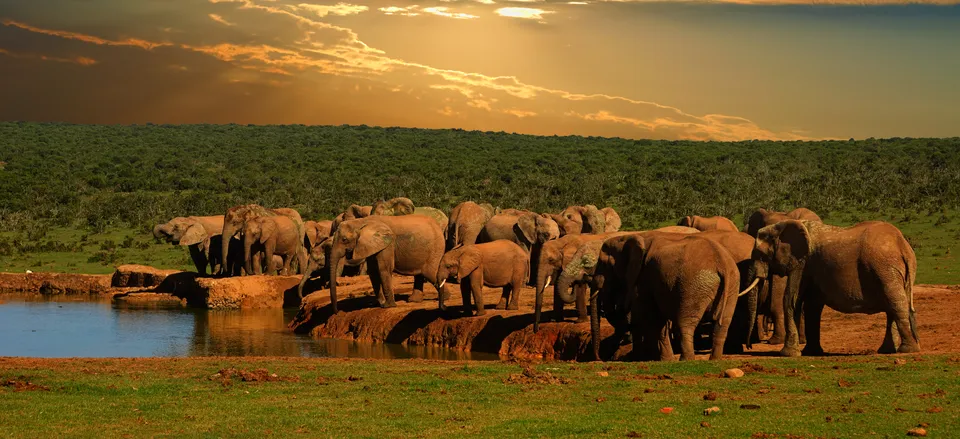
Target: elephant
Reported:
[(202, 236), (525, 228), (409, 244), (317, 261), (771, 297), (465, 223), (611, 219), (274, 235), (866, 268), (556, 254), (584, 219), (393, 207), (501, 263), (315, 232), (437, 215), (712, 223), (236, 217)]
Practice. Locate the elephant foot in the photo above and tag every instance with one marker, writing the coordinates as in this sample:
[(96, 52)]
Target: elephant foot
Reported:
[(887, 348), (415, 297), (909, 348), (583, 319), (775, 339), (513, 307), (812, 351), (388, 304), (478, 313), (502, 305), (789, 352)]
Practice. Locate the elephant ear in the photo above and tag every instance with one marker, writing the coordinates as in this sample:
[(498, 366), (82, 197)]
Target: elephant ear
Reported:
[(793, 244), (374, 237), (401, 206), (595, 219), (528, 227), (756, 221), (355, 211), (194, 235), (686, 221), (468, 262), (268, 229), (489, 210), (547, 229), (612, 219)]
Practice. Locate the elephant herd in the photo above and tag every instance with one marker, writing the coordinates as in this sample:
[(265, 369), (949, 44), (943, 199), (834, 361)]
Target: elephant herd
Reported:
[(657, 288)]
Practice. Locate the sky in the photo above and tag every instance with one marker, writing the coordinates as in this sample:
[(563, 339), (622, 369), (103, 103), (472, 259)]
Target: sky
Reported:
[(670, 69)]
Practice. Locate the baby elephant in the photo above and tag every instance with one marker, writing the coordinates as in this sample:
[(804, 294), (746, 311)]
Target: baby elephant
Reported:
[(501, 263)]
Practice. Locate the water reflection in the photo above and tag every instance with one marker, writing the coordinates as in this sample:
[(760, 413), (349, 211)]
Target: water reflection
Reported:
[(37, 326)]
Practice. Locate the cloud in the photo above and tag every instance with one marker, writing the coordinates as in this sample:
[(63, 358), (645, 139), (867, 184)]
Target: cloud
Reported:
[(220, 20), (525, 13), (324, 51), (79, 60), (409, 11), (341, 9), (134, 42), (444, 11)]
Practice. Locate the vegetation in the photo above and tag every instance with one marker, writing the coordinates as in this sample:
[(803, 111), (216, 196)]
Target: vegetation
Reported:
[(59, 182), (837, 397)]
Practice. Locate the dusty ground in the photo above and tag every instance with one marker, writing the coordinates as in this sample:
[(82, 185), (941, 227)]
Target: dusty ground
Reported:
[(510, 333)]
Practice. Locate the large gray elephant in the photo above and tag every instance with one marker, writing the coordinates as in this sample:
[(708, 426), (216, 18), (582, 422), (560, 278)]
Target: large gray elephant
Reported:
[(236, 218), (466, 221), (202, 236), (866, 268), (274, 235), (771, 297), (527, 229), (409, 245)]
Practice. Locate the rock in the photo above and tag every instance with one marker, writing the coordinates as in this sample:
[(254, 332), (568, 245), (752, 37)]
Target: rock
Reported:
[(711, 411), (603, 374), (54, 283), (244, 292), (712, 396), (705, 424), (666, 410), (900, 361), (917, 432), (733, 373), (138, 276)]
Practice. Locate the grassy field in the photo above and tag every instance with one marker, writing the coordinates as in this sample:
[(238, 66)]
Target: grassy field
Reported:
[(197, 397)]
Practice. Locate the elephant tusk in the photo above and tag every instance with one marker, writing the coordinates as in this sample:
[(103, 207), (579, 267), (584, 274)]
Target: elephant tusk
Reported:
[(547, 285), (441, 283), (755, 280)]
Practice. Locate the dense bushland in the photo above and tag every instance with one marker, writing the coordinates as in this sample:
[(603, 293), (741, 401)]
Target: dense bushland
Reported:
[(133, 176)]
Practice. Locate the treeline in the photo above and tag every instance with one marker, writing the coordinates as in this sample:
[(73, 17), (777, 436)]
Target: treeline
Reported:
[(102, 176)]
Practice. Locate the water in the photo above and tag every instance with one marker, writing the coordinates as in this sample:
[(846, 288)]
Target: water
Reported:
[(38, 326)]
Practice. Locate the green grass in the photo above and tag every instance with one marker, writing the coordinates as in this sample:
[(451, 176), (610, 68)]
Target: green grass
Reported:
[(833, 397)]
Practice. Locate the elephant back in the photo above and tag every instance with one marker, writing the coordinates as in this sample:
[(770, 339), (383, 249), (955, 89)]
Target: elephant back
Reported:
[(434, 213)]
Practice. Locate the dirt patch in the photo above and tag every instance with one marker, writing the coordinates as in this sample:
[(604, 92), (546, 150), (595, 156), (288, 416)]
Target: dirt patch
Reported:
[(245, 292), (22, 384), (533, 376), (54, 283), (139, 276), (225, 376)]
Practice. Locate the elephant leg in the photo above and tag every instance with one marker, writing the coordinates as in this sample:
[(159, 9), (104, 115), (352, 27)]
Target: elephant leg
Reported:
[(502, 304), (802, 327), (465, 294), (719, 339), (777, 312), (888, 346), (791, 314), (476, 288), (416, 296), (581, 292), (664, 345), (377, 284), (384, 269), (686, 329), (557, 306), (199, 259), (812, 311)]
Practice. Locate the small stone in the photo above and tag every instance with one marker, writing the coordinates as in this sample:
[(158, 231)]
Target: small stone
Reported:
[(712, 396), (733, 373), (900, 361), (711, 411), (666, 410), (603, 373), (917, 432), (634, 434), (705, 424)]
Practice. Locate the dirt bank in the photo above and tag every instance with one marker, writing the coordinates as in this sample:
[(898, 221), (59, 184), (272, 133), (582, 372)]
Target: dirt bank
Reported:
[(54, 283), (510, 333)]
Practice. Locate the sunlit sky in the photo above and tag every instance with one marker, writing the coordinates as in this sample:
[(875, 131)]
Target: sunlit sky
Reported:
[(724, 70)]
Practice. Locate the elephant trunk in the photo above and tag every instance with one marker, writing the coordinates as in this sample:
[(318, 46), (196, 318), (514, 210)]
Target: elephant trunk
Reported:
[(563, 290), (306, 275), (333, 262), (595, 324), (752, 298), (248, 253), (542, 278), (229, 230), (442, 275), (159, 231)]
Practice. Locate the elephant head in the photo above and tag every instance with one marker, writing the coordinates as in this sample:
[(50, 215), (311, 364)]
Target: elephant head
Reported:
[(183, 231), (535, 229), (317, 261), (566, 226), (782, 248), (357, 211), (316, 232), (256, 231), (548, 267), (356, 240), (393, 207), (583, 269), (591, 219), (611, 219)]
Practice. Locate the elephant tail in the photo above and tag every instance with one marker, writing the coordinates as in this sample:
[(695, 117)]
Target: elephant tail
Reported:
[(725, 291), (909, 275)]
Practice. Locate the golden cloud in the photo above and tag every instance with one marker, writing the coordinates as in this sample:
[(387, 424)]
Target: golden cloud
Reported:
[(220, 20), (341, 9), (409, 11), (525, 13), (133, 42), (79, 60), (444, 11)]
